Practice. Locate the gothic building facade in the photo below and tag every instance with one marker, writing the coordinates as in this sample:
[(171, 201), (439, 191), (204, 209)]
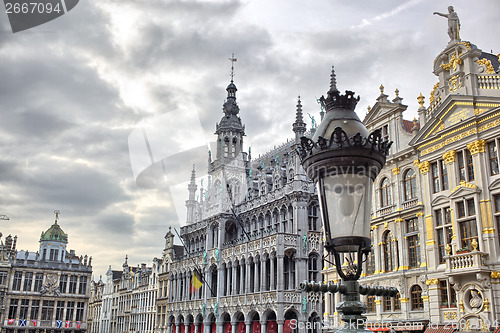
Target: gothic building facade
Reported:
[(47, 290), (253, 235), (436, 204)]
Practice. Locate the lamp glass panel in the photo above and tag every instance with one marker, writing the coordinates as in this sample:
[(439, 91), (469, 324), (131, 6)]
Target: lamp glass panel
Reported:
[(348, 205)]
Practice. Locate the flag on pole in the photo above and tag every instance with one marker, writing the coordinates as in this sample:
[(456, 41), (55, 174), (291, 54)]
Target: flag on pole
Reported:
[(59, 323), (34, 322), (68, 323), (22, 322), (78, 324), (195, 281), (11, 321)]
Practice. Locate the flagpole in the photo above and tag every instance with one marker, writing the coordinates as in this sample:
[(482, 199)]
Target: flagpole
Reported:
[(194, 262)]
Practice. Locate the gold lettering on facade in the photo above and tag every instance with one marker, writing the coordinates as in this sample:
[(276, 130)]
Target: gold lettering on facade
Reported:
[(458, 116)]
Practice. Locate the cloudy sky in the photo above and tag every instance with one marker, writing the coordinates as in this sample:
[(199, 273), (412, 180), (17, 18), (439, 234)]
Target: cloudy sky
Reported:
[(79, 95)]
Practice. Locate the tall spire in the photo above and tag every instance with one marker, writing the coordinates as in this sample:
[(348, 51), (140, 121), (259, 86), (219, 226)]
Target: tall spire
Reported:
[(299, 126), (333, 80), (191, 202)]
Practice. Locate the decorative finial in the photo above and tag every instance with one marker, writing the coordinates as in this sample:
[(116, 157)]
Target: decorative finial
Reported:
[(57, 212), (369, 108), (397, 92), (233, 60), (333, 80), (420, 100), (381, 89)]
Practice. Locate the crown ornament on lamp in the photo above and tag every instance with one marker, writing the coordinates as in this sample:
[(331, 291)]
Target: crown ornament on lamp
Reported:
[(344, 159)]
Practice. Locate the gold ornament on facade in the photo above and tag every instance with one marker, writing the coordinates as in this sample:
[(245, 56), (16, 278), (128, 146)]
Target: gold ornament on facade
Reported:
[(424, 167), (398, 220), (495, 275), (433, 97), (449, 157), (454, 83), (461, 306), (419, 214), (420, 100), (454, 62), (486, 304), (425, 298), (476, 147), (396, 92), (395, 171), (450, 315), (431, 281), (386, 225), (448, 249), (369, 108), (381, 89), (474, 244), (440, 128), (467, 45), (487, 63), (464, 184)]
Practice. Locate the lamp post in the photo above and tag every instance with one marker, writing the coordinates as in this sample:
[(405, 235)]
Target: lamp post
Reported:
[(343, 159)]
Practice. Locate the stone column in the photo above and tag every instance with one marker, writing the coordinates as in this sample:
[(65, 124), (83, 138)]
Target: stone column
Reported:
[(280, 272), (247, 281), (262, 274), (186, 328), (273, 272), (234, 327), (280, 325), (256, 277), (234, 276), (219, 327), (263, 326), (242, 278), (221, 284), (248, 326)]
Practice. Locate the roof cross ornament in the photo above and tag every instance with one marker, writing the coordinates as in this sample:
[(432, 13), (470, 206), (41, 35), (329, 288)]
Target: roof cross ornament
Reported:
[(233, 60), (57, 212)]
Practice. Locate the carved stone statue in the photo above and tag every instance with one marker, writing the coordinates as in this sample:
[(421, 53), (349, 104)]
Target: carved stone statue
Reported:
[(453, 23), (475, 299)]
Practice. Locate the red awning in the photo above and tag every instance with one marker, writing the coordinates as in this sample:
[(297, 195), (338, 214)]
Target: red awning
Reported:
[(409, 328), (440, 329)]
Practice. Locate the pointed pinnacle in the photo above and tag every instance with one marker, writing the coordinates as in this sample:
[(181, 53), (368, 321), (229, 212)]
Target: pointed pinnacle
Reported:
[(333, 80)]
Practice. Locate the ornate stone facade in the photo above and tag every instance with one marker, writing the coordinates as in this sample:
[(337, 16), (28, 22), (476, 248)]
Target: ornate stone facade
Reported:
[(440, 242), (253, 235), (47, 290)]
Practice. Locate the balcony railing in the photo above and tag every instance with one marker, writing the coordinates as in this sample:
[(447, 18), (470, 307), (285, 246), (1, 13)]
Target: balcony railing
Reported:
[(470, 261), (410, 203)]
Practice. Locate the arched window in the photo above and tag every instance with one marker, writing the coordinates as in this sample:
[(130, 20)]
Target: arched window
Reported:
[(226, 147), (410, 185), (416, 298), (385, 193), (389, 254), (313, 217), (289, 270), (213, 284), (313, 267)]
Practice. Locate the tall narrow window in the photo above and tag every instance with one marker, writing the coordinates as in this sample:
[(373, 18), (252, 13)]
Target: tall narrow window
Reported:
[(313, 267), (444, 231), (493, 157), (38, 281), (389, 259), (80, 307), (313, 218), (410, 185), (13, 308), (35, 306), (496, 199), (413, 243), (72, 284), (467, 223), (416, 298), (16, 284), (444, 174), (47, 310), (82, 288), (385, 193), (60, 310), (465, 166), (370, 304), (448, 296), (63, 283), (28, 281), (23, 310), (70, 309), (435, 177)]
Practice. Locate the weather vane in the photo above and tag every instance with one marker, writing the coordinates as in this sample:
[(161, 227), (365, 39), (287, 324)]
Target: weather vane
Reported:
[(57, 212), (233, 60)]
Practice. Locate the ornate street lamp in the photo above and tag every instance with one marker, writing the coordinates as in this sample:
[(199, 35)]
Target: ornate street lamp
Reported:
[(344, 160)]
